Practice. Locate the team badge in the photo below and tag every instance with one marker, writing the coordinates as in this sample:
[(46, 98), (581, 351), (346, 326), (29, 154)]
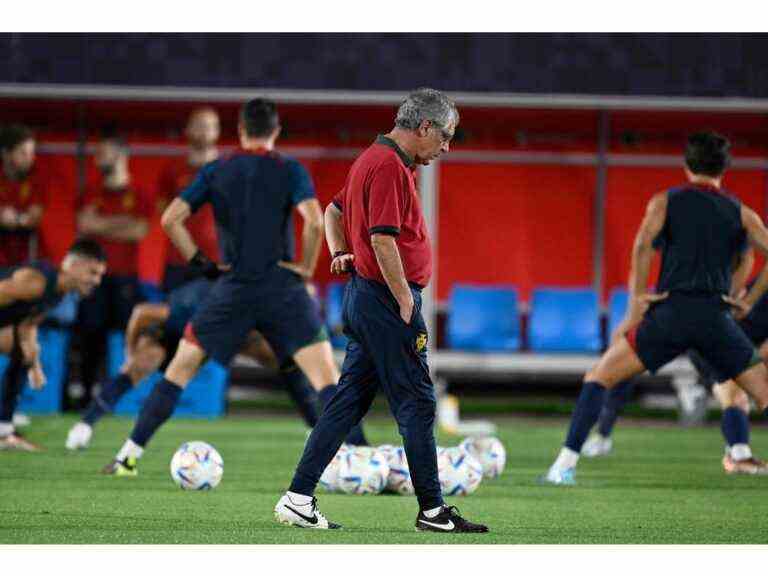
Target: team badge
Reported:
[(128, 201), (421, 341), (24, 191)]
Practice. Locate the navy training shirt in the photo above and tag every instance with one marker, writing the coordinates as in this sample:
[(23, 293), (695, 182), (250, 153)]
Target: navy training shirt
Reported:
[(24, 309), (253, 195), (701, 236)]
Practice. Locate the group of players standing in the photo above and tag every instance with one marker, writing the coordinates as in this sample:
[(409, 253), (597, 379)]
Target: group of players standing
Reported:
[(256, 300)]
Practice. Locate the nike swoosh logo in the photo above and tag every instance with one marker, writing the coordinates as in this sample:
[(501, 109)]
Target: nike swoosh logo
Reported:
[(310, 519), (446, 527)]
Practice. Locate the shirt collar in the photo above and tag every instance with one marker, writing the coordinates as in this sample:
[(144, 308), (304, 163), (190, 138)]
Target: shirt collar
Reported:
[(386, 141)]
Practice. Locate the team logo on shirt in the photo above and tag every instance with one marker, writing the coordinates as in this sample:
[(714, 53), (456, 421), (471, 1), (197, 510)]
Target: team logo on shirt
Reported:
[(128, 201), (421, 341), (24, 191)]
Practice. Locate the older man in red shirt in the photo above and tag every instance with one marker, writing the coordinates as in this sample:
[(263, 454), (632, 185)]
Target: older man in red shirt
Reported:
[(21, 195), (376, 222)]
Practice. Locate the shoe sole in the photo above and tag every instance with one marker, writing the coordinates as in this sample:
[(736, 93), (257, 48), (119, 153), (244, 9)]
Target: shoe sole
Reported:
[(287, 522), (451, 531)]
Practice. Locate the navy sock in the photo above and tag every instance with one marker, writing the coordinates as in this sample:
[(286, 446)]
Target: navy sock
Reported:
[(735, 426), (615, 400), (302, 394), (109, 396), (156, 410), (585, 414), (356, 436)]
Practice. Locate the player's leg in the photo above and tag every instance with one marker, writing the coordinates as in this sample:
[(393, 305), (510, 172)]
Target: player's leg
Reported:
[(147, 358), (738, 458), (600, 443), (356, 391), (12, 384), (218, 330)]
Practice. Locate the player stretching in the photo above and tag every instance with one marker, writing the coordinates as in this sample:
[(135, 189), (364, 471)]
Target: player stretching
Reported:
[(253, 193), (700, 231), (384, 229), (152, 337), (26, 293), (738, 458)]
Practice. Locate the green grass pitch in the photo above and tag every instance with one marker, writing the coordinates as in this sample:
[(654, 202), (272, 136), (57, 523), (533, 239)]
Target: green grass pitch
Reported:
[(662, 485)]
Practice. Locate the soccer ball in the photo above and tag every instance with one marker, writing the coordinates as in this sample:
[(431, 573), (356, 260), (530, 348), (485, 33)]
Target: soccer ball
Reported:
[(197, 466), (489, 451), (460, 473), (362, 470), (399, 479), (329, 480)]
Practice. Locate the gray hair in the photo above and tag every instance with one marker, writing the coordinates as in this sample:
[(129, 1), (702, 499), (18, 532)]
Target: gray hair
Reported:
[(426, 104)]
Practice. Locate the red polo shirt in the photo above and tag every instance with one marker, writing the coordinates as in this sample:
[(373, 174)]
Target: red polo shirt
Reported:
[(20, 195), (176, 176), (380, 196), (122, 256)]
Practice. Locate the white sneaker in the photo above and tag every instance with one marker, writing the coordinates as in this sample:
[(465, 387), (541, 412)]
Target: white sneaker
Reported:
[(559, 477), (20, 420), (597, 446), (302, 515), (79, 436)]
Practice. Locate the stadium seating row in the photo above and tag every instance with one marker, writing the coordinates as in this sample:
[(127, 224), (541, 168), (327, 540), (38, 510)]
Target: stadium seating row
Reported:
[(488, 319)]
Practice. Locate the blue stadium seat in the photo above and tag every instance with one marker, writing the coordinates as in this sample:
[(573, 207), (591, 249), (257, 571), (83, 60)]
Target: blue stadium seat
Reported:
[(617, 306), (564, 320), (483, 318), (333, 307)]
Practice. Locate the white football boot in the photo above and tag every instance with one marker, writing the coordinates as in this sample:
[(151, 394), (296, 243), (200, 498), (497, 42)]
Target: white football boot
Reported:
[(597, 446), (302, 515)]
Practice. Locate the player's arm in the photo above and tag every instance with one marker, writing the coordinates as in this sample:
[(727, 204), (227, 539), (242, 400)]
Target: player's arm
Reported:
[(122, 227), (391, 265), (142, 316), (640, 268), (744, 265), (13, 219), (30, 349), (24, 284), (758, 237), (341, 259), (311, 238)]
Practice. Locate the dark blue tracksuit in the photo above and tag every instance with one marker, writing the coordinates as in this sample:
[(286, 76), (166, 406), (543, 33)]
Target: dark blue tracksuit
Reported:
[(383, 352)]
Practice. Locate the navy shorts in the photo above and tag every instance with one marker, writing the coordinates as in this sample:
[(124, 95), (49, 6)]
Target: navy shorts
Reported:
[(277, 305), (702, 323)]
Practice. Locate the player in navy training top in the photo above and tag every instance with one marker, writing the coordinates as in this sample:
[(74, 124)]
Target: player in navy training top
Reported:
[(26, 293), (153, 334), (700, 230), (253, 193)]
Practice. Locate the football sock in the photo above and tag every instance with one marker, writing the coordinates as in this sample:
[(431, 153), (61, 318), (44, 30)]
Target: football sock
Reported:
[(12, 383), (735, 426), (105, 402), (156, 410), (432, 513), (740, 452), (356, 437), (567, 458), (615, 400), (585, 414), (129, 449), (302, 394)]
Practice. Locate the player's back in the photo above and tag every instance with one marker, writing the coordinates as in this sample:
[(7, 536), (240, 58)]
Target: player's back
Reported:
[(701, 236), (253, 195), (18, 311)]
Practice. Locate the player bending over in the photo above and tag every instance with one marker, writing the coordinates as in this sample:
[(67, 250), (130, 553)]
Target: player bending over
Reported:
[(738, 458), (253, 193), (700, 230), (153, 335), (26, 293)]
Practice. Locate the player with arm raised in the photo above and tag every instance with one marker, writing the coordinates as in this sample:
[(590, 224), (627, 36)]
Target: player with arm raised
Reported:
[(26, 294), (699, 230)]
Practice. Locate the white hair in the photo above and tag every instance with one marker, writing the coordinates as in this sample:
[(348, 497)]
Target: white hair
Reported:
[(426, 104)]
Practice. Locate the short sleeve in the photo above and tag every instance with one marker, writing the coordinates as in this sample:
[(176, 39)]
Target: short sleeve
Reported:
[(199, 191), (338, 200), (300, 182), (386, 197)]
